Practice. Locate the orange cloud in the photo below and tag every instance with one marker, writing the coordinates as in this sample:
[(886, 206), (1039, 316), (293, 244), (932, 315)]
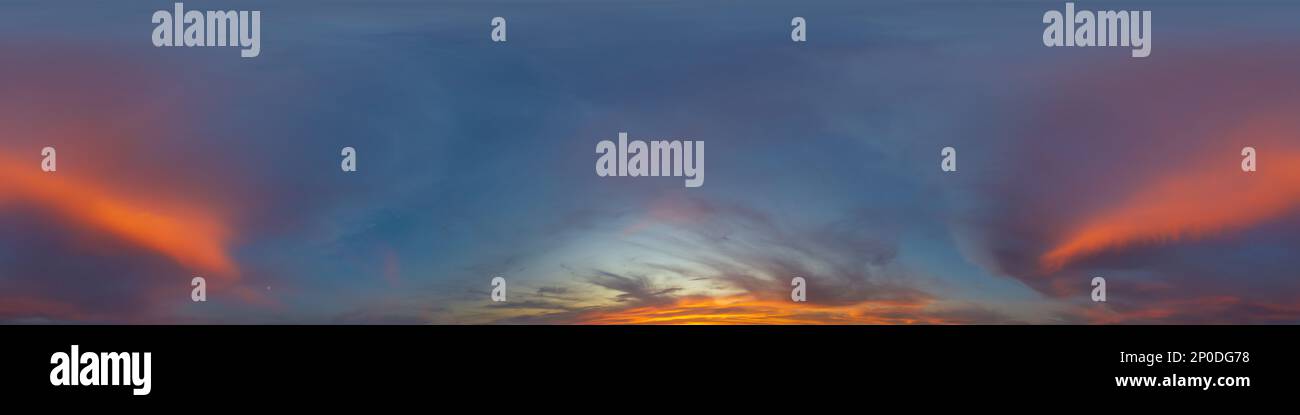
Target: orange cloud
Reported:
[(744, 309), (190, 235), (1195, 199)]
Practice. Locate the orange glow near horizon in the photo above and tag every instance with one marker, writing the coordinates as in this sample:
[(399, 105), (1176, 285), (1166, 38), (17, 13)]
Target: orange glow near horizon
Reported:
[(743, 309), (190, 235)]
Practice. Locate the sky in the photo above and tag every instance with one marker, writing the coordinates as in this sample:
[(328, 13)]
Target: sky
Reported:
[(476, 160)]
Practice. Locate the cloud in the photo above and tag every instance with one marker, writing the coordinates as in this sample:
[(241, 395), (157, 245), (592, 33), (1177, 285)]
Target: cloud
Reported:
[(192, 235), (116, 233), (1213, 309), (722, 263), (1140, 182), (638, 289), (1205, 196)]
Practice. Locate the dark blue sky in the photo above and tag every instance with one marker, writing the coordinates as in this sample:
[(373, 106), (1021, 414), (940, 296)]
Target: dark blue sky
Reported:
[(476, 160)]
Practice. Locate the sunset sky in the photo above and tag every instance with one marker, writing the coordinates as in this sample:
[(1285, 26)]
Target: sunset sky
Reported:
[(476, 160)]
